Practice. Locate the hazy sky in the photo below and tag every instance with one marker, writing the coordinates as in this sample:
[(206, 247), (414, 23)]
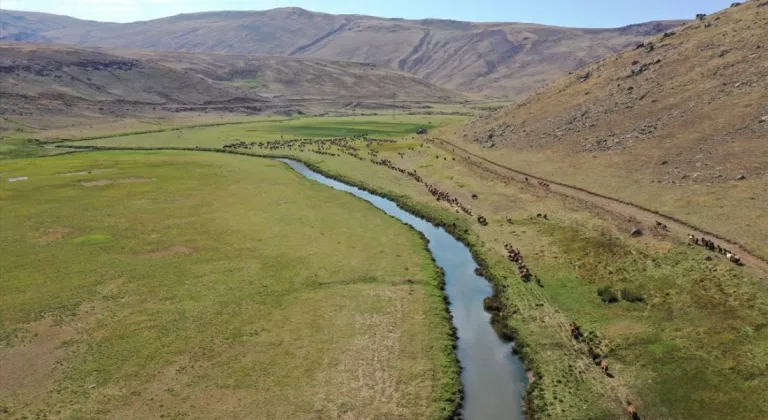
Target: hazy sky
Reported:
[(580, 13)]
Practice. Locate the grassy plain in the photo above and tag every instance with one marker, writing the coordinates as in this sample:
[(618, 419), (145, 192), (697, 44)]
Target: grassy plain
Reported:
[(694, 347), (378, 126), (198, 285)]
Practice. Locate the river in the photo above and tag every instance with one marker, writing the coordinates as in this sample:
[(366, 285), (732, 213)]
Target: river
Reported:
[(494, 380)]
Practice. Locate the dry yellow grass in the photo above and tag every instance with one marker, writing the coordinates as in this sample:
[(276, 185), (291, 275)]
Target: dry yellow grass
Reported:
[(669, 127)]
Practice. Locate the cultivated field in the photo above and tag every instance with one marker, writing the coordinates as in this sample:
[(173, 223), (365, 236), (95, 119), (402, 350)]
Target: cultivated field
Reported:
[(199, 285), (691, 346)]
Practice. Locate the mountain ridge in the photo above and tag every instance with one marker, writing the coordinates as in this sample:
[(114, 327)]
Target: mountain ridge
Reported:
[(493, 59)]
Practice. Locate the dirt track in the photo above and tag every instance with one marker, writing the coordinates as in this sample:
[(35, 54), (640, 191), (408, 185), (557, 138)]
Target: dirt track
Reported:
[(646, 216)]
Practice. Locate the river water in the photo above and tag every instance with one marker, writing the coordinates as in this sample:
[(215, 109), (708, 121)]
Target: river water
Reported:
[(494, 380)]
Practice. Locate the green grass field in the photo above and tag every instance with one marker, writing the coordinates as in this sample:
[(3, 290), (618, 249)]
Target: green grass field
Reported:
[(308, 127), (198, 285)]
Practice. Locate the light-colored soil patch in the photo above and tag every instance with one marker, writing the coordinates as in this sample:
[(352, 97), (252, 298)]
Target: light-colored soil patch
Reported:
[(27, 370), (100, 182), (171, 251), (94, 171), (49, 236)]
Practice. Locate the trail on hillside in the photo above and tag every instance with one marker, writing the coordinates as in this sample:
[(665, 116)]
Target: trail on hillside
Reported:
[(614, 205)]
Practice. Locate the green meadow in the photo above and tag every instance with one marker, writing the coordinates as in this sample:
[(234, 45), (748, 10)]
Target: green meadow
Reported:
[(199, 285), (375, 126)]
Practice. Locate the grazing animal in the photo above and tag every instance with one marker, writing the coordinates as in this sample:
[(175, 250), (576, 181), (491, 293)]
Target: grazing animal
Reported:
[(632, 411), (595, 356), (604, 366)]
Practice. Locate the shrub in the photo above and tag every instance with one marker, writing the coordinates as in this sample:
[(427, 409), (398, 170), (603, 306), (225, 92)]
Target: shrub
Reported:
[(607, 294), (632, 295)]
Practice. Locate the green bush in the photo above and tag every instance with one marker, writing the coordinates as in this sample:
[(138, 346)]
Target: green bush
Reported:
[(632, 295), (607, 294)]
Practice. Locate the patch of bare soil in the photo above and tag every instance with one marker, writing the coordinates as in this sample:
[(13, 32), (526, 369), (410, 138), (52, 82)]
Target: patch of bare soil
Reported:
[(49, 236), (100, 182), (170, 251), (28, 370)]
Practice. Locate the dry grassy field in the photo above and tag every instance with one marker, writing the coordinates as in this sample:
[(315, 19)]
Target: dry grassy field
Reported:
[(670, 126)]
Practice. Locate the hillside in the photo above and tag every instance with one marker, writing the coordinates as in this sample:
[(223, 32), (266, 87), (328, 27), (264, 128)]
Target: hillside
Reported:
[(58, 80), (494, 59), (288, 78), (678, 124)]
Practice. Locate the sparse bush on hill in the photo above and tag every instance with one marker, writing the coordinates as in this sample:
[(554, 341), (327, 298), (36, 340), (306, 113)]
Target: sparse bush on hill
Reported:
[(607, 294), (631, 295)]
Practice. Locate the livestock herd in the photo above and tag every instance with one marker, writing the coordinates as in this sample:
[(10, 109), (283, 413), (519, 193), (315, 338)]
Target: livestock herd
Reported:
[(516, 257), (318, 146), (343, 145), (712, 246), (440, 195)]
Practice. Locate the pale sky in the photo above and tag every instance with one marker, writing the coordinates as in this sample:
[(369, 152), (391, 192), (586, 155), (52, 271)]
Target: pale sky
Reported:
[(577, 13)]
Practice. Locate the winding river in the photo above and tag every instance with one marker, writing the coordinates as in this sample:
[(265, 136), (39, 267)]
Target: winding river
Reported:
[(494, 380)]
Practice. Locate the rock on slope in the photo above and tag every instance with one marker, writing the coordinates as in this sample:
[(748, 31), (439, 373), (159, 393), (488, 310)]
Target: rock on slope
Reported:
[(689, 105), (496, 59)]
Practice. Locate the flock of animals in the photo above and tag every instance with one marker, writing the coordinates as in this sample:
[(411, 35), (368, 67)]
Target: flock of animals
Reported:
[(515, 256), (344, 145), (712, 246)]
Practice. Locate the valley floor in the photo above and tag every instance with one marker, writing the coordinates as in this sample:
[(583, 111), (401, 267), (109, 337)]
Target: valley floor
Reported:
[(683, 330)]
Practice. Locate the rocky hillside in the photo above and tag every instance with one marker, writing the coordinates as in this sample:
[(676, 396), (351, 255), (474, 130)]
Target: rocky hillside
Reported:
[(678, 124), (495, 59), (294, 78), (697, 96), (65, 80)]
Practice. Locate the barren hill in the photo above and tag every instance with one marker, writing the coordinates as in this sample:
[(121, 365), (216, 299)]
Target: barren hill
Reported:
[(677, 124), (496, 59), (66, 80)]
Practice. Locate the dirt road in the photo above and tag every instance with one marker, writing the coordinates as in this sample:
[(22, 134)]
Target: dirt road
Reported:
[(646, 216)]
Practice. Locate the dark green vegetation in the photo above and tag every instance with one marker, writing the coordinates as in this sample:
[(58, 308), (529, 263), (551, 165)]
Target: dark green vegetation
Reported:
[(17, 148), (204, 285)]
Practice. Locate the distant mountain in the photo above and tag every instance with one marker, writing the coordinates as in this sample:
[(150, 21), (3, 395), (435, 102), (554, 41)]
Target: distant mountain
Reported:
[(494, 59), (60, 80)]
